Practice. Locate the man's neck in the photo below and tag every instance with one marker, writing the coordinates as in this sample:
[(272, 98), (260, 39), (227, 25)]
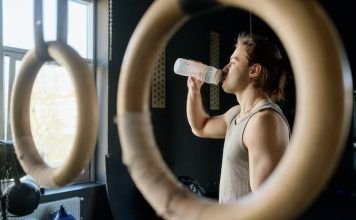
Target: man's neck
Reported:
[(249, 98)]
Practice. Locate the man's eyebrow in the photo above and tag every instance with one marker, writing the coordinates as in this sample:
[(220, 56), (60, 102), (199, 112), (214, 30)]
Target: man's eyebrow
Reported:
[(234, 57)]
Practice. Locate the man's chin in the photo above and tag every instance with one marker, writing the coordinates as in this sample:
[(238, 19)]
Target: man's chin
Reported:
[(224, 88)]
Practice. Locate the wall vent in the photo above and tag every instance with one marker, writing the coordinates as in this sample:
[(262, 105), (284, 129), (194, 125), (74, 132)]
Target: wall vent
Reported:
[(214, 61), (159, 82)]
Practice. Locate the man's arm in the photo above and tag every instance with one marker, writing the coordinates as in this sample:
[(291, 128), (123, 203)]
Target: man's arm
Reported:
[(201, 123), (266, 137)]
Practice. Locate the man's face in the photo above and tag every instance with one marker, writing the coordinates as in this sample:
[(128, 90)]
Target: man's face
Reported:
[(236, 73)]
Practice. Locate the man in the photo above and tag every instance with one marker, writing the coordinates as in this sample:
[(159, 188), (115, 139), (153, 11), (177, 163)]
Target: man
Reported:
[(256, 132)]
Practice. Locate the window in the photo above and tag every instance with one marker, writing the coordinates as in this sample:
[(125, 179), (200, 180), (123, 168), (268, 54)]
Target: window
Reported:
[(354, 130), (53, 103)]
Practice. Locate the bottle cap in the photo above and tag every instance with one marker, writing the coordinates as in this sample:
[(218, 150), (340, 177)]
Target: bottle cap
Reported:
[(177, 65)]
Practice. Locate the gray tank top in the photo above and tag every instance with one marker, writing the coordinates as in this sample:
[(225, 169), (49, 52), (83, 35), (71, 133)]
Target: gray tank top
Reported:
[(235, 178)]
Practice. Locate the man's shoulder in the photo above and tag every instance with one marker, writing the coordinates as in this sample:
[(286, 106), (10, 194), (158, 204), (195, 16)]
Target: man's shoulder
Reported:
[(267, 115), (267, 119), (231, 113)]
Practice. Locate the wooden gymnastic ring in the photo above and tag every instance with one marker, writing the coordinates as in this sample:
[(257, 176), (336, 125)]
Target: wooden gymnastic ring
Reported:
[(87, 122), (323, 113)]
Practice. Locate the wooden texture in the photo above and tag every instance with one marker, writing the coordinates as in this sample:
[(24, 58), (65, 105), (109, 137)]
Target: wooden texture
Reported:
[(323, 114), (87, 124)]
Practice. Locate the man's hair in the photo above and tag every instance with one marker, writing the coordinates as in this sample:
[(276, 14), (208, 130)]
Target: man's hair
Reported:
[(263, 52)]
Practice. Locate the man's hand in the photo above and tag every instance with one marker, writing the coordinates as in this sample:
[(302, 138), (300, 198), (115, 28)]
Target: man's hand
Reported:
[(194, 85)]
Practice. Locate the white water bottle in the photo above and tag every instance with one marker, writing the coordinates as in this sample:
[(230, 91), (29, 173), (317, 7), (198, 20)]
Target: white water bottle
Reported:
[(208, 74)]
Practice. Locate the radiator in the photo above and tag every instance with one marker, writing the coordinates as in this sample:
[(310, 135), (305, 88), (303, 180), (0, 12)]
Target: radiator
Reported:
[(71, 205)]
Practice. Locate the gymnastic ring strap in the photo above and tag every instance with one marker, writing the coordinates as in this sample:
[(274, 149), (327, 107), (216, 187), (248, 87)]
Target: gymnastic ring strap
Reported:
[(40, 44), (87, 121)]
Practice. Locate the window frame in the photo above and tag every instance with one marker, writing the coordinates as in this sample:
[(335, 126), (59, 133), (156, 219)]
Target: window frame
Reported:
[(2, 113), (17, 54)]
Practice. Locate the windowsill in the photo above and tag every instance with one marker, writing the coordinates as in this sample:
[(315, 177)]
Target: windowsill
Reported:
[(71, 188)]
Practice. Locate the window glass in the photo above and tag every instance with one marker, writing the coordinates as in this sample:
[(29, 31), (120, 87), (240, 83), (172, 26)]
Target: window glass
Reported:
[(53, 114), (6, 94), (79, 27), (50, 20), (18, 30)]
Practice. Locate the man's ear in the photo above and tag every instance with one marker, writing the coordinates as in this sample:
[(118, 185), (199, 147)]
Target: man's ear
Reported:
[(255, 71)]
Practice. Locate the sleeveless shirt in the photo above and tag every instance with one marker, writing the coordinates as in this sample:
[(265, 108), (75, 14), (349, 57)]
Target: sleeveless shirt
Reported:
[(235, 178)]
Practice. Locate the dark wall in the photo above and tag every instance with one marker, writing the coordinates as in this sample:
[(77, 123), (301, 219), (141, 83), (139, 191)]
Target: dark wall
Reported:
[(184, 153), (125, 200)]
